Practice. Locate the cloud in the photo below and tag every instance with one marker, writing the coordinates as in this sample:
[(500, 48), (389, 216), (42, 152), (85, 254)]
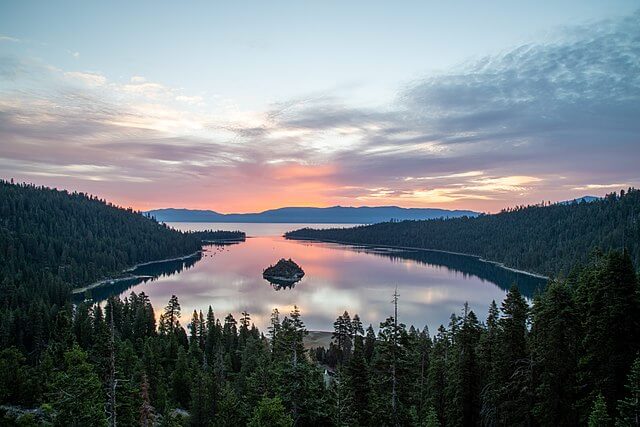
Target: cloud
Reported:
[(576, 92), (539, 121), (90, 79), (195, 100), (601, 186), (4, 38)]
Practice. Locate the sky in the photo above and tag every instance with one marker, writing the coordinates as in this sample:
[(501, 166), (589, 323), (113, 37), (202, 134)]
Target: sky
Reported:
[(252, 105)]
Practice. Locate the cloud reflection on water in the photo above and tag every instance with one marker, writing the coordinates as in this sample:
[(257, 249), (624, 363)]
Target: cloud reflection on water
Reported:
[(338, 278)]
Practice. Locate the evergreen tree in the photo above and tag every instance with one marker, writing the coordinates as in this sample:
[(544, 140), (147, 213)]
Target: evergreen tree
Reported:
[(356, 326), (147, 412), (369, 344), (629, 407), (608, 298), (203, 398), (181, 380), (342, 336), (231, 410), (467, 370), (599, 416), (512, 364), (356, 377), (341, 401), (169, 319), (15, 378), (555, 349), (270, 412), (76, 392), (431, 419), (437, 372)]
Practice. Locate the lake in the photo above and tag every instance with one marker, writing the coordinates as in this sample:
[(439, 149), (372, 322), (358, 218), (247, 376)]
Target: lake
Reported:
[(359, 279)]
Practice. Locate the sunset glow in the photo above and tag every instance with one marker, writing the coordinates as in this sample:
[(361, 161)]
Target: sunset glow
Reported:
[(450, 130)]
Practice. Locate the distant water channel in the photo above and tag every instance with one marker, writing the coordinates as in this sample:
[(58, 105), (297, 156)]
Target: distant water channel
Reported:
[(359, 279)]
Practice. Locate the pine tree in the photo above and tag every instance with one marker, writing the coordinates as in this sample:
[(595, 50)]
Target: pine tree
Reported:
[(512, 364), (356, 377), (194, 329), (555, 344), (356, 326), (467, 368), (342, 336), (341, 401), (147, 412), (231, 410), (437, 372), (270, 412), (14, 377), (390, 384), (599, 416), (202, 330), (203, 398), (629, 407), (76, 392), (431, 419), (608, 298), (212, 339), (171, 315), (369, 344), (181, 380), (487, 349), (299, 331), (421, 356)]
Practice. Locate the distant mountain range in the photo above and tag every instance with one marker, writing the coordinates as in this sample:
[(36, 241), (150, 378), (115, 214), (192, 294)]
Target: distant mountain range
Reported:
[(332, 215)]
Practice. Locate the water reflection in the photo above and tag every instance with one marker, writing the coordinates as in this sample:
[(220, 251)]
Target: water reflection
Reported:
[(359, 279), (141, 274), (279, 285), (528, 284)]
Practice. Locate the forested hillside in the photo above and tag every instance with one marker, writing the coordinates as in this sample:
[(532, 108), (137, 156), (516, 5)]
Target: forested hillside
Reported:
[(52, 241), (547, 239), (571, 359), (568, 361)]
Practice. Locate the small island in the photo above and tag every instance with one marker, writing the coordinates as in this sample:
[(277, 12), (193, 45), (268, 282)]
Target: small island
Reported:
[(219, 236), (285, 272)]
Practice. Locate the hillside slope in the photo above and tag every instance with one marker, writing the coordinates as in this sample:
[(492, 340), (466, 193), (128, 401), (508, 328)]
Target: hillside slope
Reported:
[(53, 240), (546, 239)]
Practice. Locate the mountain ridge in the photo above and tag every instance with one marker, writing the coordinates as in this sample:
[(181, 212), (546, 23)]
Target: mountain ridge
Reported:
[(300, 214)]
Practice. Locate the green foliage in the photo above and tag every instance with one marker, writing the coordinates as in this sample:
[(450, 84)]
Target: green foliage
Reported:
[(270, 413), (431, 419), (607, 295), (629, 406), (555, 348), (53, 241), (76, 394), (15, 378), (599, 416), (231, 411)]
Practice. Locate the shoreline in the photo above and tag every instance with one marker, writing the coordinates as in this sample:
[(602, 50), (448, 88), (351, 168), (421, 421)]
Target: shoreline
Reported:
[(112, 281), (372, 245), (214, 241)]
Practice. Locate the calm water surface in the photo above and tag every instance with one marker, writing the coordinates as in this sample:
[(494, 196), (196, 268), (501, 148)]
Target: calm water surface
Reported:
[(432, 285)]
